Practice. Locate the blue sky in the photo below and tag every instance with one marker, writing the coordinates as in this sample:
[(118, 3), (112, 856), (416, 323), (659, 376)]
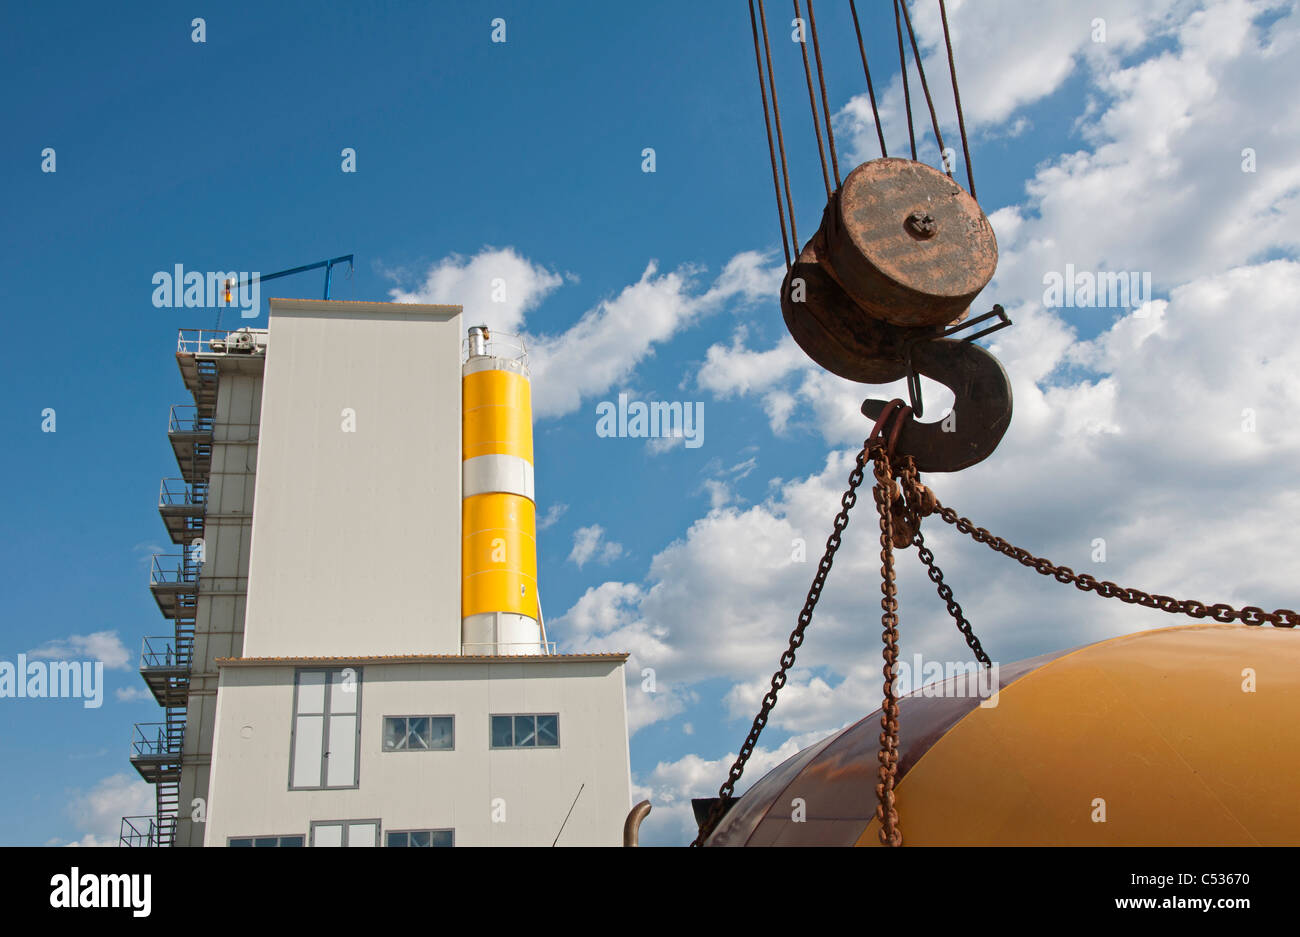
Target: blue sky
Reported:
[(526, 158)]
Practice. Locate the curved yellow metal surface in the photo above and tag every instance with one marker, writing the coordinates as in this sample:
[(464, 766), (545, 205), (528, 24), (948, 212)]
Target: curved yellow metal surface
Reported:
[(498, 415), (1176, 736), (498, 555)]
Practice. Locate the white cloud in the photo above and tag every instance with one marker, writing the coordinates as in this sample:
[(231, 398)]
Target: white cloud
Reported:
[(719, 485), (496, 287), (719, 493), (131, 694), (604, 347), (101, 645), (672, 784), (590, 545), (1009, 54), (98, 812), (552, 516), (674, 439), (732, 370)]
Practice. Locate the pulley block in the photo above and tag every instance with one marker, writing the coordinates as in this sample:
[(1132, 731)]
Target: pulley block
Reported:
[(907, 243), (834, 331)]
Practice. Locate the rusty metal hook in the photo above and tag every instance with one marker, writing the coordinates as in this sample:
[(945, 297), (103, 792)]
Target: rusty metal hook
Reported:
[(914, 378), (981, 410)]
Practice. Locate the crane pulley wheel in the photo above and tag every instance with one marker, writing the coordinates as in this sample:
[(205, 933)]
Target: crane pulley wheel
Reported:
[(907, 243), (834, 331)]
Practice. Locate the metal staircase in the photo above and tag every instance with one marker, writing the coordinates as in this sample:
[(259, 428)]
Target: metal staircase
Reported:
[(166, 661)]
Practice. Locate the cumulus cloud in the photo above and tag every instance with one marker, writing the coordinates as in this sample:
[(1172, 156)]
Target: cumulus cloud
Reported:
[(98, 812), (603, 348), (1009, 55), (590, 545), (671, 784), (497, 287), (552, 516), (100, 645)]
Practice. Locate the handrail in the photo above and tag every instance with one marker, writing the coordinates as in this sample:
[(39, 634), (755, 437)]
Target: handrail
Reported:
[(500, 345), (161, 652), (139, 831), (221, 341), (182, 493), (186, 570), (547, 647), (154, 742), (178, 420)]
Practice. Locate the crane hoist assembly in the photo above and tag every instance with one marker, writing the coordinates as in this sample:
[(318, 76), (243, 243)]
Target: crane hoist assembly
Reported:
[(882, 291)]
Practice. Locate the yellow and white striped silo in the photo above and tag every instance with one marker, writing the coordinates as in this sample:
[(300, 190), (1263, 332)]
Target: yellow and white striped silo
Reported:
[(500, 613)]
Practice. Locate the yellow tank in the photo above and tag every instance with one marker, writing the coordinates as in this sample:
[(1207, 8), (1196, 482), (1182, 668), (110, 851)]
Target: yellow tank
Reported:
[(499, 555), (500, 611), (1178, 736)]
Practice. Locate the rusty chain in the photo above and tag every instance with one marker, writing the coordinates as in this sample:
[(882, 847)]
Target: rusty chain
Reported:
[(841, 521), (920, 503), (1249, 614), (886, 495)]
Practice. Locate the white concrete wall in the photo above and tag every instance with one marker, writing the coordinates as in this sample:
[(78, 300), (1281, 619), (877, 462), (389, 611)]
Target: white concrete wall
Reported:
[(438, 789), (356, 543)]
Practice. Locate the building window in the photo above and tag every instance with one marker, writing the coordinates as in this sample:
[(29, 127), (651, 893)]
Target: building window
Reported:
[(265, 841), (422, 838), (325, 749), (419, 733), (345, 833), (526, 731)]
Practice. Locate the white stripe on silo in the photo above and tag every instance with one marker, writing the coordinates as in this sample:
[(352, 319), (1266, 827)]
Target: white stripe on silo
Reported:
[(506, 473)]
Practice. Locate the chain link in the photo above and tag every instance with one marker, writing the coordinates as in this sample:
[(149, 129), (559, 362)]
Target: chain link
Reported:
[(1250, 614), (921, 502), (887, 772), (841, 521)]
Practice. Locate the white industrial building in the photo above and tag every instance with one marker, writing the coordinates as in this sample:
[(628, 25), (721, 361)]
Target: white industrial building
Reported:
[(358, 655)]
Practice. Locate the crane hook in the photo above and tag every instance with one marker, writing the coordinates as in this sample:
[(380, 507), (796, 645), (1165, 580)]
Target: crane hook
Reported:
[(980, 414)]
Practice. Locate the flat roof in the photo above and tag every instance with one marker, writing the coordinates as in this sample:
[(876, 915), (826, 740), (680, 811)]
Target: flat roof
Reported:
[(615, 656), (282, 304)]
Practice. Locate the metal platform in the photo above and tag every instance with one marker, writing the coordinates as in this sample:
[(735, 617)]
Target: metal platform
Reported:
[(174, 582), (190, 432), (165, 664), (182, 505)]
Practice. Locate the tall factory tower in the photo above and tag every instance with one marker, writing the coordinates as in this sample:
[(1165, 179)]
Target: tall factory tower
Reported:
[(500, 607), (360, 656)]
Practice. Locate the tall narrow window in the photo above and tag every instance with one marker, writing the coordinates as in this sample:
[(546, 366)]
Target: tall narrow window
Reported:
[(326, 729)]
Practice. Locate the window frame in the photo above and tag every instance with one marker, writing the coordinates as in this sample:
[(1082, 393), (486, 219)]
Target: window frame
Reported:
[(230, 840), (513, 747), (326, 715), (379, 830), (445, 829), (383, 734)]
